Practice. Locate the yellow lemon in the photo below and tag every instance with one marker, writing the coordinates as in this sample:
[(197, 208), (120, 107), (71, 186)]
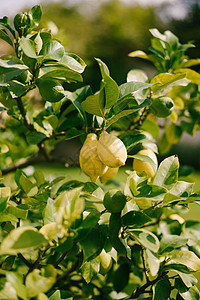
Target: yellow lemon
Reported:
[(111, 150), (109, 174), (89, 160), (144, 166)]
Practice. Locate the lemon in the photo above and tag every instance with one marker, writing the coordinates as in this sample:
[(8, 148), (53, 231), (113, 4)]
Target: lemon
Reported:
[(105, 262), (89, 160), (144, 166), (109, 174), (50, 90), (111, 150), (114, 202)]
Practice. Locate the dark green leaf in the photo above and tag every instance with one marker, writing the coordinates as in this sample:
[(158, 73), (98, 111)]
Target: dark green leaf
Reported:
[(35, 137), (4, 36), (36, 14), (162, 289), (135, 219)]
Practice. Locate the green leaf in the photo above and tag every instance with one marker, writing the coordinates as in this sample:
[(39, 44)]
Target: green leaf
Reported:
[(121, 277), (17, 212), (167, 173), (39, 177), (130, 87), (145, 158), (135, 219), (25, 183), (165, 80), (4, 36), (5, 193), (192, 294), (145, 238), (35, 137), (22, 239), (162, 289), (5, 22), (94, 104), (182, 188), (17, 283), (187, 258), (73, 62), (151, 127), (28, 47), (170, 242), (118, 116), (40, 280), (90, 269), (17, 89), (139, 53), (59, 73), (53, 50), (110, 86), (173, 133), (50, 212), (192, 75), (36, 14), (7, 218), (153, 262)]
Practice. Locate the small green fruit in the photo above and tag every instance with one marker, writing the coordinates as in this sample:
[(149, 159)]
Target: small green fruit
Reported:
[(114, 202), (22, 23), (162, 106)]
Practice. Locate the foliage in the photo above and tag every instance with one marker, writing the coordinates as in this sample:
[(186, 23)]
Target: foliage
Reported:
[(58, 240)]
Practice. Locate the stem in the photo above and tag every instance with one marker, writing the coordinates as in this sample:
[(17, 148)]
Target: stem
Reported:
[(143, 288), (22, 111), (144, 265), (26, 262)]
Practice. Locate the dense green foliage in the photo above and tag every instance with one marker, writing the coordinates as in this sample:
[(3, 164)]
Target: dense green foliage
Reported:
[(58, 240)]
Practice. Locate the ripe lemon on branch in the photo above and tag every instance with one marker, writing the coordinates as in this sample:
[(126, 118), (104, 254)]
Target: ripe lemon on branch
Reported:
[(111, 150), (140, 165), (89, 160)]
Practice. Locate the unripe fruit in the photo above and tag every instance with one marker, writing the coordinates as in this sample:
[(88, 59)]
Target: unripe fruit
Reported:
[(144, 166), (89, 160), (109, 174), (162, 106), (22, 23), (114, 202), (111, 150), (105, 262)]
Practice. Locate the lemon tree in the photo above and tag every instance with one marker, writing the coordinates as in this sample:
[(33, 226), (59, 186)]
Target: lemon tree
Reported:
[(72, 239)]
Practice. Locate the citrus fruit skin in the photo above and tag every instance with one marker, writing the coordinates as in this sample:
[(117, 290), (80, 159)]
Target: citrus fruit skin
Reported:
[(162, 106), (105, 262), (50, 90), (144, 166), (89, 160), (109, 174), (111, 150), (114, 202)]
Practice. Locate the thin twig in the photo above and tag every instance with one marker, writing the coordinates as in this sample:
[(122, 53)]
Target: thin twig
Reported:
[(26, 262)]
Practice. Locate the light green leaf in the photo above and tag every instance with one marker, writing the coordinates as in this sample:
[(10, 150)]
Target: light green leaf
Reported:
[(167, 173), (39, 177), (5, 193), (166, 80), (90, 269), (94, 104), (16, 282), (50, 212), (58, 72), (192, 294), (53, 50), (187, 258), (25, 183), (192, 75), (28, 47), (4, 36), (17, 212), (118, 116), (146, 238), (153, 262), (8, 292), (151, 127), (21, 239), (139, 53), (40, 280), (73, 61), (131, 87), (182, 188), (170, 242)]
